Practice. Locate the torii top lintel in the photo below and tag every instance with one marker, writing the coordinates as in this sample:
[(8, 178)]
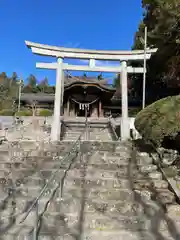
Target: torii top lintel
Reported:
[(61, 52)]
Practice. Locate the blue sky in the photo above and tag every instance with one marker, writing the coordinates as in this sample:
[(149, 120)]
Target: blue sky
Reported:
[(95, 24)]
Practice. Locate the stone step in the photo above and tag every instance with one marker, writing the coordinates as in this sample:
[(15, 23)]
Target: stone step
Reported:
[(113, 210), (107, 222), (91, 173), (72, 135), (77, 164), (116, 184), (29, 185), (58, 150), (96, 161), (102, 194), (96, 206), (76, 176), (93, 235), (123, 234), (77, 133), (102, 155)]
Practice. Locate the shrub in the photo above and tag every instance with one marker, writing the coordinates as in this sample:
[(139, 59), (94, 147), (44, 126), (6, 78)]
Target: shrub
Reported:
[(45, 113), (6, 112), (132, 112), (160, 120), (24, 113)]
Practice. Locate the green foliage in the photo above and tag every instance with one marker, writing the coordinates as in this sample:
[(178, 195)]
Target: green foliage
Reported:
[(32, 81), (162, 18), (84, 75), (116, 82), (14, 77), (8, 90), (45, 113), (132, 112), (43, 85), (100, 76), (139, 35), (159, 120), (170, 171), (6, 112), (24, 113)]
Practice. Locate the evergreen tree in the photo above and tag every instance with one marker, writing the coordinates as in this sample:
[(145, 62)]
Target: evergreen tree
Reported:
[(14, 77), (31, 81), (162, 18), (100, 76)]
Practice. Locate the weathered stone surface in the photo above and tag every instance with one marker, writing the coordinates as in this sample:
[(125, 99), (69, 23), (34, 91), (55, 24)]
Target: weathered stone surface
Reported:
[(116, 195), (144, 195), (173, 211), (165, 196), (148, 168), (161, 184), (155, 175)]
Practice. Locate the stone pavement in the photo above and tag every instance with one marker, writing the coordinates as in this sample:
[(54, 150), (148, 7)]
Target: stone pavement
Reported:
[(110, 191)]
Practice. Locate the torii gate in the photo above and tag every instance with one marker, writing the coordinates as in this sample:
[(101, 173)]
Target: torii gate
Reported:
[(91, 55)]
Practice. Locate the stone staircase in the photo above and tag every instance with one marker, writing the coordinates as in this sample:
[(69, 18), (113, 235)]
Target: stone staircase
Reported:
[(110, 191), (95, 131)]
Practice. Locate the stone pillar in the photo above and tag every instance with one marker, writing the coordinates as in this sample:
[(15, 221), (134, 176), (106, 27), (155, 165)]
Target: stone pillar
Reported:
[(102, 112), (62, 93), (56, 124), (125, 131), (94, 111), (68, 108), (72, 110), (100, 109)]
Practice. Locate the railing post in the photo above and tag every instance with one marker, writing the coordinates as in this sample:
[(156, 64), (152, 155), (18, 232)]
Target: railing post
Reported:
[(35, 231), (86, 124)]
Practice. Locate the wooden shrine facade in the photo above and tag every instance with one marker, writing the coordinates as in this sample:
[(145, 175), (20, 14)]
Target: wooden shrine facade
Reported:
[(82, 96)]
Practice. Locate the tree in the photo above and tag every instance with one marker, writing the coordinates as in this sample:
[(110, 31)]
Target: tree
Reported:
[(43, 85), (100, 77), (3, 75), (31, 81), (14, 77), (13, 84), (117, 83), (31, 84), (8, 90), (159, 122), (162, 18)]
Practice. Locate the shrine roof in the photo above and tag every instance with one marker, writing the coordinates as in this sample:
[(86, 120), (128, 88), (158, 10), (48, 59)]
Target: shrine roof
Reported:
[(83, 79), (100, 83), (70, 82)]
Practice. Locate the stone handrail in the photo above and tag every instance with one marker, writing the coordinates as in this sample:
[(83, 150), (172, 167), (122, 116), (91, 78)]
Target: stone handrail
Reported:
[(74, 149), (171, 182), (112, 129)]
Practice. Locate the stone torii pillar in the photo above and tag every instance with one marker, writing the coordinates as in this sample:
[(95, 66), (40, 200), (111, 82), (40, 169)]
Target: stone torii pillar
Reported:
[(125, 128), (56, 124)]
